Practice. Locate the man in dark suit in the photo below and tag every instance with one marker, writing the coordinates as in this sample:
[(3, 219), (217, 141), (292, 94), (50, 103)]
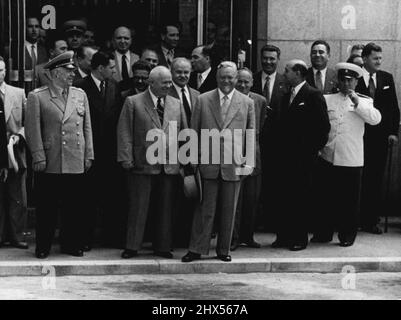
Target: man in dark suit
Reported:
[(222, 110), (304, 128), (105, 107), (270, 84), (248, 202), (35, 53), (203, 76), (139, 82), (319, 75), (152, 183), (166, 50), (379, 85), (84, 56), (181, 70)]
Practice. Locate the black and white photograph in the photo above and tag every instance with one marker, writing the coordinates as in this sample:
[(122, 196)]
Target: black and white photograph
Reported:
[(200, 157)]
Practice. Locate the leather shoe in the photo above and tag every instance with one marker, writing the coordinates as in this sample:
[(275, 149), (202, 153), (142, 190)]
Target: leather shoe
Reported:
[(87, 248), (346, 244), (41, 254), (253, 244), (224, 258), (166, 255), (20, 245), (128, 254), (74, 253), (373, 230), (234, 246), (190, 256), (279, 244), (297, 247)]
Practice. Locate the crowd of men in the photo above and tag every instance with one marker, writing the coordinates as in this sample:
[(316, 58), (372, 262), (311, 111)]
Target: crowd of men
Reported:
[(321, 146)]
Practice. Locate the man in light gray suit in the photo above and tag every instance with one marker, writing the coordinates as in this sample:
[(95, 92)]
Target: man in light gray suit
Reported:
[(224, 110), (149, 182)]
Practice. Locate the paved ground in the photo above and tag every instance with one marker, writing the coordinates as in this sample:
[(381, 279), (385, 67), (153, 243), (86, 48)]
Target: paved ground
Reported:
[(367, 286)]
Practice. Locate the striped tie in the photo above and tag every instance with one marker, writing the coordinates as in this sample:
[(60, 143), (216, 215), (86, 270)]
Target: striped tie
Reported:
[(160, 110)]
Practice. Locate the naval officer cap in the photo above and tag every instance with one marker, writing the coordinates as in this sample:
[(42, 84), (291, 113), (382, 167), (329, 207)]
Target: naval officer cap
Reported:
[(349, 70), (65, 60), (74, 26)]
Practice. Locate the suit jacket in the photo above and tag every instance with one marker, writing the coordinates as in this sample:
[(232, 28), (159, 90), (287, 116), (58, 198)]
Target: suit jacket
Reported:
[(117, 75), (14, 112), (137, 119), (260, 118), (207, 115), (42, 57), (3, 141), (43, 77), (386, 102), (193, 96), (162, 59), (330, 84), (304, 129), (104, 113), (57, 132), (208, 84)]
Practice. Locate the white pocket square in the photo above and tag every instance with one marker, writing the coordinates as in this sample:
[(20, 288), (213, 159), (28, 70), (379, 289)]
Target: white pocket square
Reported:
[(301, 104), (386, 87)]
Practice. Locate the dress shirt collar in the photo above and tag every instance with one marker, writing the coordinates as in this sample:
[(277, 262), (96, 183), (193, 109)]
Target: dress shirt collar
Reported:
[(83, 74), (3, 88), (323, 72), (222, 95), (366, 77), (205, 74), (167, 51), (298, 87), (179, 89), (97, 81), (155, 98), (271, 76)]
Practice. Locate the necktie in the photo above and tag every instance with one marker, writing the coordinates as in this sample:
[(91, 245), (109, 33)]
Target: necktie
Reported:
[(224, 107), (266, 90), (372, 87), (319, 82), (170, 57), (102, 88), (200, 80), (160, 110), (292, 95), (124, 68), (187, 108), (33, 56)]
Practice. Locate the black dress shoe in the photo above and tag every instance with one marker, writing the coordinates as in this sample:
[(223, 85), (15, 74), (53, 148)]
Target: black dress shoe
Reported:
[(279, 244), (128, 254), (41, 254), (253, 244), (74, 253), (87, 248), (190, 256), (297, 247), (234, 246), (373, 230), (20, 245), (166, 255), (224, 258), (346, 244)]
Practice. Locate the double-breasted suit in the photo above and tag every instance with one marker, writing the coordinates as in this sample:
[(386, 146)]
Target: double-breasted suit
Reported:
[(376, 145), (151, 184), (105, 112), (208, 84), (304, 128), (248, 202), (221, 181), (13, 202), (59, 134)]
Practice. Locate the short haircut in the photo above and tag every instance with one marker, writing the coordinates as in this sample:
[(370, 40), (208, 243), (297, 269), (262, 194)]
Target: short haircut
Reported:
[(270, 48), (352, 57), (100, 58), (163, 28), (51, 39), (369, 48), (148, 49), (180, 59), (247, 70), (303, 70), (141, 65), (357, 47), (322, 42), (81, 52), (207, 50), (227, 64)]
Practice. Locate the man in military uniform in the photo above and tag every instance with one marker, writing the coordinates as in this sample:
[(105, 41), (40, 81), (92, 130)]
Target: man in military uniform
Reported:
[(341, 160), (59, 135)]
